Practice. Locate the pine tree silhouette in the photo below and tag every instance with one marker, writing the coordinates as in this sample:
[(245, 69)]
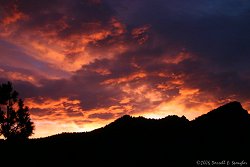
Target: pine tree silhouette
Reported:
[(15, 122)]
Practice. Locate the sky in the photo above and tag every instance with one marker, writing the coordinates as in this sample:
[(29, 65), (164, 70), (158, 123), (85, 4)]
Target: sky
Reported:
[(81, 64)]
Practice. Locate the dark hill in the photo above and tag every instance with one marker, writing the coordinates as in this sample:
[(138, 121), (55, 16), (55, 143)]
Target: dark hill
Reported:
[(221, 134), (229, 112), (225, 120)]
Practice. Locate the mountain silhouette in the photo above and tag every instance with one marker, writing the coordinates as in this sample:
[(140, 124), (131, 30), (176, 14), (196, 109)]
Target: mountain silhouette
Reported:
[(229, 112), (221, 134)]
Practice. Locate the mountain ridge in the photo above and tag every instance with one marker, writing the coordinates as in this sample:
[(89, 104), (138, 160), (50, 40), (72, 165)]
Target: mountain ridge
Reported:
[(228, 110), (221, 134)]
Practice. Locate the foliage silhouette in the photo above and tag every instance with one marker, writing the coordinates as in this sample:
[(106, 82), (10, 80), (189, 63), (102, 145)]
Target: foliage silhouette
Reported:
[(222, 134), (15, 122)]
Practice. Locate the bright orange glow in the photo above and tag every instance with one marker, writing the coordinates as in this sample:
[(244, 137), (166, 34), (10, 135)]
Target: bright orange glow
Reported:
[(182, 105), (125, 100), (65, 115), (188, 91), (177, 107)]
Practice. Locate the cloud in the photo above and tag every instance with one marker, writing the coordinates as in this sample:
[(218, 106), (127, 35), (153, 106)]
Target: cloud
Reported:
[(107, 89), (60, 34), (54, 116), (85, 63), (102, 115), (19, 76)]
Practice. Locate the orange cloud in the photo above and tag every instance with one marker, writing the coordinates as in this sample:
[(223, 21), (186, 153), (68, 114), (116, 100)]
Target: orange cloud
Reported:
[(54, 116), (45, 103), (125, 100), (188, 91), (137, 75), (20, 77), (10, 17), (57, 44), (65, 115), (69, 55), (13, 18), (102, 71), (187, 103), (141, 96), (86, 47), (118, 27), (140, 34), (176, 59)]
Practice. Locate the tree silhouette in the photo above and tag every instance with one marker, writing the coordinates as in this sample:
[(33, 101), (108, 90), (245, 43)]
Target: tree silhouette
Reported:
[(15, 122)]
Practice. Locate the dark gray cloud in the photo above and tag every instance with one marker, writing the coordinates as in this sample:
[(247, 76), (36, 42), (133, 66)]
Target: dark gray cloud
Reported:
[(80, 16), (217, 31), (102, 115)]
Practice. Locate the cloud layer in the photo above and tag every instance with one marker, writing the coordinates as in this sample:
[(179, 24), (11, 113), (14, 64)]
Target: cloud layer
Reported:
[(81, 64)]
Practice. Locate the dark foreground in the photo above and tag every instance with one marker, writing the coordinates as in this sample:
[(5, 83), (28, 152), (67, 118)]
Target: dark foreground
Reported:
[(219, 138)]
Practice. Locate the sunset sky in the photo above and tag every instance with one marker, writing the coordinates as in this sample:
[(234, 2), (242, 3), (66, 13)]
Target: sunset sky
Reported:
[(81, 64)]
